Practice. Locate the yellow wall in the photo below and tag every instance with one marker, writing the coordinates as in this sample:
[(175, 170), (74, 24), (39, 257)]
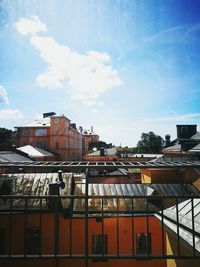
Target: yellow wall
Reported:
[(188, 175), (171, 248), (160, 175)]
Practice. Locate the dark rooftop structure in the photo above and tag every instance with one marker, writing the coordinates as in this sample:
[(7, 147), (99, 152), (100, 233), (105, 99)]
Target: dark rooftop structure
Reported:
[(186, 144)]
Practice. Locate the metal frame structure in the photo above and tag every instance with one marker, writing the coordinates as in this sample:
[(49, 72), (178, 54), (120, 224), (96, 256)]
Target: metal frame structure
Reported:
[(98, 165)]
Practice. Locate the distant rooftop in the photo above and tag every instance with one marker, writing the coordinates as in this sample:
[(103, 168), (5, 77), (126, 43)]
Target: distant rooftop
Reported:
[(108, 152), (10, 156), (35, 151), (44, 122)]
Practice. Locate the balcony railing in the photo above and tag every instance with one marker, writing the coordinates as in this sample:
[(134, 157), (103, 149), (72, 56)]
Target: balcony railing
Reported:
[(94, 227)]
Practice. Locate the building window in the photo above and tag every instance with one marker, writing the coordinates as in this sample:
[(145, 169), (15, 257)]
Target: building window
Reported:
[(2, 241), (138, 177), (143, 245), (41, 132), (24, 133), (184, 129), (57, 132), (43, 144), (99, 244), (56, 145), (32, 241)]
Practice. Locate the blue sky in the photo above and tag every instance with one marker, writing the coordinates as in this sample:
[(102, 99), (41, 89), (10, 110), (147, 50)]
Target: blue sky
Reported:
[(123, 66)]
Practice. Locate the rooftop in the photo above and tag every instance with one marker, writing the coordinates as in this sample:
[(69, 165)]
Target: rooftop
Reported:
[(35, 152), (10, 156), (44, 122)]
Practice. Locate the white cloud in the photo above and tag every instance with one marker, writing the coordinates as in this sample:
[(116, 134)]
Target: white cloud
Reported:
[(9, 114), (30, 26), (86, 76), (3, 95)]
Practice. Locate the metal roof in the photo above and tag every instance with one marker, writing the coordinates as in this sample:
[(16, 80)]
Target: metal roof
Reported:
[(137, 189), (112, 165), (124, 192), (175, 148), (10, 156), (196, 136), (108, 152), (195, 148), (33, 184), (189, 216), (43, 122), (35, 151)]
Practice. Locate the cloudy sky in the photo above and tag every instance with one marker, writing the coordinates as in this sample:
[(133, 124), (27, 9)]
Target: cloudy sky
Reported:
[(122, 66)]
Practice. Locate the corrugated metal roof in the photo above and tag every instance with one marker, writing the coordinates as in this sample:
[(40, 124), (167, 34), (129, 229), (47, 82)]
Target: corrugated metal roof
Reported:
[(9, 156), (184, 218), (35, 151), (137, 189), (34, 184), (127, 190)]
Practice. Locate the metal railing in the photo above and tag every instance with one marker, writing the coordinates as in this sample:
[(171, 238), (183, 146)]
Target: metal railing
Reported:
[(65, 227)]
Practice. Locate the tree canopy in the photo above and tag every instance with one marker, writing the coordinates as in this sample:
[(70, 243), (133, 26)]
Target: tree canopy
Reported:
[(6, 139), (150, 143)]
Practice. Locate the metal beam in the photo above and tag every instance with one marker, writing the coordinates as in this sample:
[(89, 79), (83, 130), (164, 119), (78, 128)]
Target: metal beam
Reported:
[(98, 165)]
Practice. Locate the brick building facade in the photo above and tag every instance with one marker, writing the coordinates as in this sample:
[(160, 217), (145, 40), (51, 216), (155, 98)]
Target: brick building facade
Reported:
[(57, 134)]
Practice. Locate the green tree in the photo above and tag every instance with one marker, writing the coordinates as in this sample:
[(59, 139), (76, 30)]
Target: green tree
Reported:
[(6, 139), (150, 143)]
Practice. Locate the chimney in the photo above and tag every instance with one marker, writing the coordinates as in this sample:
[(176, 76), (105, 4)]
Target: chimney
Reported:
[(167, 140), (48, 114), (186, 131), (92, 130), (102, 151)]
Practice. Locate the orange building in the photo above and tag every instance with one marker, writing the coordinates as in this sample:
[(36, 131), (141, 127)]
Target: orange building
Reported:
[(56, 134)]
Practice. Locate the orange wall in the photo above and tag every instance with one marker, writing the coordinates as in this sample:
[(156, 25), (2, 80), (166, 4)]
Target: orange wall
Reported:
[(31, 138), (78, 236)]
